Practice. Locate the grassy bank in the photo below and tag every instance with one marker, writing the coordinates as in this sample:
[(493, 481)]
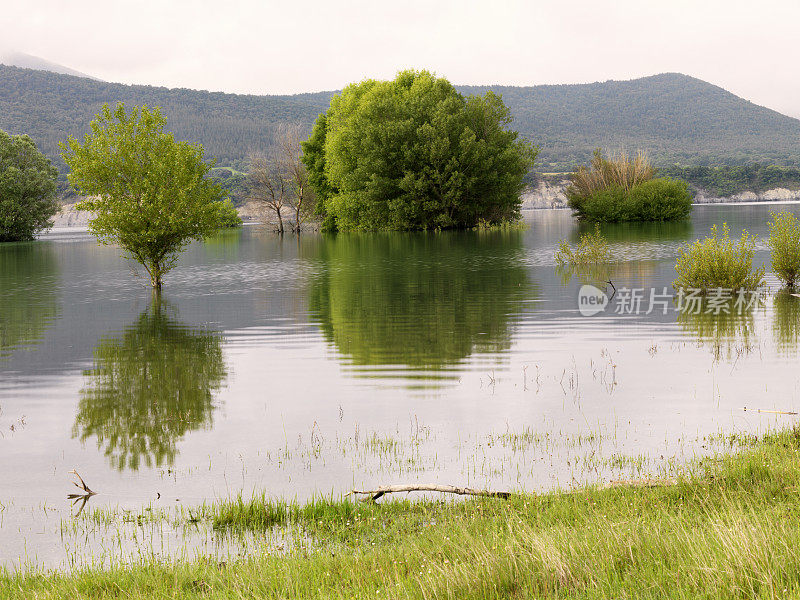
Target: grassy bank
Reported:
[(729, 528)]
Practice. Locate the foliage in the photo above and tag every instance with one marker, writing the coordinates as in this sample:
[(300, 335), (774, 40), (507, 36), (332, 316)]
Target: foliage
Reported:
[(27, 189), (149, 194), (678, 119), (724, 528), (717, 262), (314, 160), (619, 189), (28, 295), (232, 182), (228, 216), (733, 179), (592, 249), (148, 387), (413, 154), (441, 311), (617, 170), (784, 241)]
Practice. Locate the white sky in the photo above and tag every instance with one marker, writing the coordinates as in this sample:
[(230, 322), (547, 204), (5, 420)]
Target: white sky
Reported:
[(249, 46)]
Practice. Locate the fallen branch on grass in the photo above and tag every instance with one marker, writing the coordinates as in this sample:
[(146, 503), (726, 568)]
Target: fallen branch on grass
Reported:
[(423, 487)]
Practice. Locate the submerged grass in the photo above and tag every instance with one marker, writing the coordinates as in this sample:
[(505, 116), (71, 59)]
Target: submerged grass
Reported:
[(727, 528)]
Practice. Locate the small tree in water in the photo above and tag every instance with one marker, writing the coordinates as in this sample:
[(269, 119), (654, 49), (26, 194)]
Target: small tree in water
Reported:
[(149, 194)]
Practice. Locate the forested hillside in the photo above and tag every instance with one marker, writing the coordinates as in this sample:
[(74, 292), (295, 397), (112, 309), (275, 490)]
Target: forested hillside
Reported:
[(677, 118), (49, 107)]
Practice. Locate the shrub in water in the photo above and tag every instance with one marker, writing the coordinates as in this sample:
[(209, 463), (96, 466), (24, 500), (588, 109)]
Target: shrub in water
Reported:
[(591, 250), (784, 241), (589, 260), (718, 262), (616, 171), (621, 189)]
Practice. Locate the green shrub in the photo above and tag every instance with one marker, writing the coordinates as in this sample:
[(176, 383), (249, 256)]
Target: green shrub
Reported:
[(229, 217), (718, 262), (616, 171), (590, 260), (784, 241), (591, 250), (623, 189), (654, 200)]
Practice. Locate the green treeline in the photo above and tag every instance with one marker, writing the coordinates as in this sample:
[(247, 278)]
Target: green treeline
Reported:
[(728, 180)]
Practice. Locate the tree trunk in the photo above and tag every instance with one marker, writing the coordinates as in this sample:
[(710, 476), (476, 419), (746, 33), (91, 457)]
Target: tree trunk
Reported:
[(280, 220), (155, 277)]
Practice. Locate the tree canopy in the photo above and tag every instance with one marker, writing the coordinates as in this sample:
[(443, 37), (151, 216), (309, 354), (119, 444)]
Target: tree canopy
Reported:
[(149, 194), (413, 153), (27, 189)]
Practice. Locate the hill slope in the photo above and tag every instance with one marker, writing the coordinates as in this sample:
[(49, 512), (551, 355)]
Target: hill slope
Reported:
[(676, 117), (28, 61)]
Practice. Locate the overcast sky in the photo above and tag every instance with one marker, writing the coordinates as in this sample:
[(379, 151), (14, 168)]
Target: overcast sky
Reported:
[(265, 47)]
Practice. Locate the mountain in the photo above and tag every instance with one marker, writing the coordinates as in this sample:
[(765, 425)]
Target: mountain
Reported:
[(677, 118), (28, 61)]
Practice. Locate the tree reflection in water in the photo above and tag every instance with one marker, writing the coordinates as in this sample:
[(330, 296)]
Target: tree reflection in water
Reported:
[(148, 387), (728, 330), (28, 294), (420, 301), (786, 321)]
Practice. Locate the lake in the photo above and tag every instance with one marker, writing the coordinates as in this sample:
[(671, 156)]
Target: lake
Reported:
[(315, 365)]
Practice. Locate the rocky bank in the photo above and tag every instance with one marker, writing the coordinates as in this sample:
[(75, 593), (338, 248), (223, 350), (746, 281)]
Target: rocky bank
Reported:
[(544, 193)]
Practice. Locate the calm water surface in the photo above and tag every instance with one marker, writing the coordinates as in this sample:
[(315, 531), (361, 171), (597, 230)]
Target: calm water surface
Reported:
[(310, 366)]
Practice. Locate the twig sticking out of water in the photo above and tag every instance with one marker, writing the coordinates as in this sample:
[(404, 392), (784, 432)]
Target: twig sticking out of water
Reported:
[(82, 497), (429, 487)]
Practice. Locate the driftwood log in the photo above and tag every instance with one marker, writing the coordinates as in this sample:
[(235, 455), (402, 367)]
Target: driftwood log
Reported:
[(429, 487)]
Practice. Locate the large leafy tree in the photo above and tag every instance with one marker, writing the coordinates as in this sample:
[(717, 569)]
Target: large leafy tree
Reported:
[(149, 194), (413, 153), (27, 189)]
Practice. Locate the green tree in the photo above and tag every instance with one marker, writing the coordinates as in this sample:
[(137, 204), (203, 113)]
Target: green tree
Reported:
[(149, 194), (413, 153), (27, 189), (149, 387)]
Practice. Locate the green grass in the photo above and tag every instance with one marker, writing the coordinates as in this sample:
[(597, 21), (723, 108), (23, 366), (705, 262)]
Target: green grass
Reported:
[(728, 528)]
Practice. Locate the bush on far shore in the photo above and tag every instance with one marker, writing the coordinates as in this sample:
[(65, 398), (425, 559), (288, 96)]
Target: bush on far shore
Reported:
[(620, 189)]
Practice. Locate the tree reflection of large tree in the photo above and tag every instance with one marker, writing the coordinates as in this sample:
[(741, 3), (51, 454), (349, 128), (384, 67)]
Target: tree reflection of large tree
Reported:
[(148, 387), (419, 300), (28, 294)]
